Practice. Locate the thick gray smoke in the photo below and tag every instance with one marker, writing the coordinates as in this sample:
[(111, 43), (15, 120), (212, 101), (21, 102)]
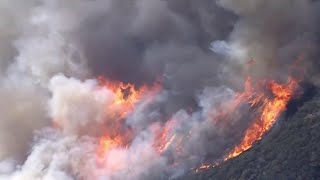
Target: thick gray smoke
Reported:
[(52, 51)]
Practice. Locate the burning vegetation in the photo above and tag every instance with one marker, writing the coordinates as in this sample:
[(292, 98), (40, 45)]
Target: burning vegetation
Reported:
[(267, 99), (81, 97), (289, 152), (269, 109)]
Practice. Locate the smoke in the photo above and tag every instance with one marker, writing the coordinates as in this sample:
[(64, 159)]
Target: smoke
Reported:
[(53, 110)]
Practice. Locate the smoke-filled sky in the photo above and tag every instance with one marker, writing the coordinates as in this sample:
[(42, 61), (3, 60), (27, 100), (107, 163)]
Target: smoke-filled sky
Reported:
[(52, 51)]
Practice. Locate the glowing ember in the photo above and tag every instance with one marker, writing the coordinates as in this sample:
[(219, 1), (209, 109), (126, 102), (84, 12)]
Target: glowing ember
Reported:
[(205, 167), (268, 98)]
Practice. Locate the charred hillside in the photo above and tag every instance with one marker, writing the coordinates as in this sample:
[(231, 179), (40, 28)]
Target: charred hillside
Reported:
[(290, 151)]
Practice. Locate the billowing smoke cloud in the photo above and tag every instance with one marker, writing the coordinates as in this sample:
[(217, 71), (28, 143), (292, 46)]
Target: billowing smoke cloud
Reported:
[(53, 110)]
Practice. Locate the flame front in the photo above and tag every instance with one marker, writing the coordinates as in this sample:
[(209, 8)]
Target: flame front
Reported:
[(271, 108), (267, 97)]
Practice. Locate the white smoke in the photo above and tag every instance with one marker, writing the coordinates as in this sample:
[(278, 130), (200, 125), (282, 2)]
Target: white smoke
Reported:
[(78, 106), (53, 110)]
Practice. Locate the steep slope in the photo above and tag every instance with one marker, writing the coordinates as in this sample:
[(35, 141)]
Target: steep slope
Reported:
[(290, 151)]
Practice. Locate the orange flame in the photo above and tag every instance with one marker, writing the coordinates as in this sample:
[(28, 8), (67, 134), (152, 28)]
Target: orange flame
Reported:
[(164, 138), (126, 96), (271, 109), (205, 167), (106, 144)]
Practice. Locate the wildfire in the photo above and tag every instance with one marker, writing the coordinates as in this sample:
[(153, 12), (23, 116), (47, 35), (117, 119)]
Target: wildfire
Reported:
[(268, 98), (206, 166), (268, 107), (106, 144), (271, 108), (126, 96), (164, 139)]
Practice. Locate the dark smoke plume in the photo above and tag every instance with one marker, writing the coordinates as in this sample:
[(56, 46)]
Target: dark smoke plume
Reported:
[(52, 51)]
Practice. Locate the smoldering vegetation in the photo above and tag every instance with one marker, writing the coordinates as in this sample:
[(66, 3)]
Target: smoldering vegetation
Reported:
[(52, 51)]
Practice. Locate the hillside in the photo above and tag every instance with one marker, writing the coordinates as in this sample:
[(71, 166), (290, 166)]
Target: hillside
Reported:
[(290, 151)]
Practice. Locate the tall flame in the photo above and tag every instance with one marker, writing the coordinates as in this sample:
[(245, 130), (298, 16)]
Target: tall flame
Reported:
[(268, 107), (271, 109)]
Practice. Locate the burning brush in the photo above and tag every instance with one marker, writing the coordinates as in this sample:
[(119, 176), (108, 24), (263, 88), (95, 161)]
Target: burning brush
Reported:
[(269, 99), (81, 100)]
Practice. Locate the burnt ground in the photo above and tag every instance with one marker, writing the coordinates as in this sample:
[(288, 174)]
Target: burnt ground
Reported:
[(290, 151)]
